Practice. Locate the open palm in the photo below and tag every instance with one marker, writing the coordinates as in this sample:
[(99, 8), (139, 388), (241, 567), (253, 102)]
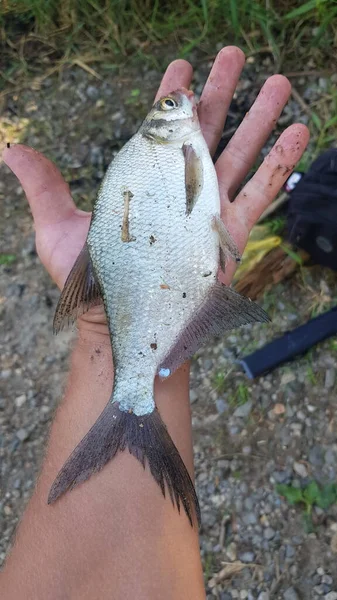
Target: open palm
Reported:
[(61, 228)]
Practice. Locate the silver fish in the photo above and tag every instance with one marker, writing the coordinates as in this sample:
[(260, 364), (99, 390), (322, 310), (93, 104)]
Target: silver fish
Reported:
[(152, 255)]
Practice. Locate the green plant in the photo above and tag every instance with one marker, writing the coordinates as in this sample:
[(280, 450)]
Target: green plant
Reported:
[(277, 225), (111, 31), (309, 496), (208, 565), (7, 259), (218, 381), (240, 396), (311, 375)]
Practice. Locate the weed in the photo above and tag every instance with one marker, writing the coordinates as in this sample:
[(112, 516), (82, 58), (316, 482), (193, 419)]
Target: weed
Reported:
[(7, 259), (208, 565), (311, 376), (309, 496), (276, 226), (332, 345), (240, 396), (68, 31), (218, 382)]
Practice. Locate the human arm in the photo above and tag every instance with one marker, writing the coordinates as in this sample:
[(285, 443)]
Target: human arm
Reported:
[(116, 533)]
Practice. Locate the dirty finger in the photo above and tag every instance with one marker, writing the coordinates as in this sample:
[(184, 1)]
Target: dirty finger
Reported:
[(263, 187), (178, 74), (218, 93)]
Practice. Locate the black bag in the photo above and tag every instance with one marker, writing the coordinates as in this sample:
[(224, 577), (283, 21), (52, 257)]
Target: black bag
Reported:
[(312, 211)]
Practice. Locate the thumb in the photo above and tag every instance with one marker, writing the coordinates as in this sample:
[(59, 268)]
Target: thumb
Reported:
[(47, 193)]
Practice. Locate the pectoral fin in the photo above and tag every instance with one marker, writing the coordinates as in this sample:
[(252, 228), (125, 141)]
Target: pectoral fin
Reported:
[(227, 245), (224, 309), (193, 176), (80, 292)]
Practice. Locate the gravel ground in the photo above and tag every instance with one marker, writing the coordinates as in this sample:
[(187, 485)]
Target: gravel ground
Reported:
[(249, 436)]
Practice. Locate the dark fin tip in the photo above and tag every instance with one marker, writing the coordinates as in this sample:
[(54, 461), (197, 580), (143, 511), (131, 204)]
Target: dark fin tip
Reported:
[(8, 145), (147, 439)]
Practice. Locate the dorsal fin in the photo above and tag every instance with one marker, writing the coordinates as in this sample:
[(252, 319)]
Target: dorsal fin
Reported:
[(80, 292)]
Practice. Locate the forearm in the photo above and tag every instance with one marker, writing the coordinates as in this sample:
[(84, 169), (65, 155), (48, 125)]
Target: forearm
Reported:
[(115, 536)]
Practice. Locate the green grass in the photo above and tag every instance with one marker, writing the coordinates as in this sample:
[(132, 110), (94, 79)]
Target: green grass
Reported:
[(240, 396), (109, 31)]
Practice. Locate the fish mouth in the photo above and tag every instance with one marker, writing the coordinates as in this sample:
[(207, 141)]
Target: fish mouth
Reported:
[(187, 93)]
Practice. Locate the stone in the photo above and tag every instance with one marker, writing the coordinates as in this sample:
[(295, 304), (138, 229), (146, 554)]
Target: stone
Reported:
[(316, 456), (287, 378), (300, 469), (333, 543), (330, 457), (243, 410), (231, 551), (291, 594), (279, 409), (331, 596), (247, 557), (249, 518), (330, 378), (221, 406), (282, 476), (319, 589), (327, 579), (193, 396), (269, 533), (20, 400), (22, 434), (290, 551), (263, 596)]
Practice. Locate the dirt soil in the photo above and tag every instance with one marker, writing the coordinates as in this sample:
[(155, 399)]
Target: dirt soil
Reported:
[(249, 436)]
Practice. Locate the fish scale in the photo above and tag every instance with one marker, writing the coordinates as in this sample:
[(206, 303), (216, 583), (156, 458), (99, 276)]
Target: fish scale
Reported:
[(157, 207), (152, 255)]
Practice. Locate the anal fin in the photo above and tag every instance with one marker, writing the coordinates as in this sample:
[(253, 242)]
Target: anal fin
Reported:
[(223, 309), (80, 292)]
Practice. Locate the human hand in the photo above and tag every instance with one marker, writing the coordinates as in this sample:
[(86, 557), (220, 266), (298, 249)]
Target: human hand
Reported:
[(61, 228)]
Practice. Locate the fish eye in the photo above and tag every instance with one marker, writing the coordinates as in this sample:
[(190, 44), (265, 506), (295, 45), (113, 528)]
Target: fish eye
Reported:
[(168, 104)]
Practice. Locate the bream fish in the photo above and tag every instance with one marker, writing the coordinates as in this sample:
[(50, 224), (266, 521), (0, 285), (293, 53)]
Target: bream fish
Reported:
[(152, 256)]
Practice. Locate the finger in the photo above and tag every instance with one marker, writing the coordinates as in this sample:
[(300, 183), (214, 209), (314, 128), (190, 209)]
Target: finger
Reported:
[(262, 188), (241, 152), (47, 192), (178, 74), (218, 93)]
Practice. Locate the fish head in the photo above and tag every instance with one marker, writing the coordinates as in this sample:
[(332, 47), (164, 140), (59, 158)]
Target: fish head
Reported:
[(172, 118)]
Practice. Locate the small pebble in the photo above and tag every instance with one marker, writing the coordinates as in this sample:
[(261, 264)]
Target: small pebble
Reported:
[(263, 596), (291, 594), (330, 378), (22, 434), (300, 469), (193, 396), (331, 596), (221, 406), (20, 400), (247, 557), (269, 533)]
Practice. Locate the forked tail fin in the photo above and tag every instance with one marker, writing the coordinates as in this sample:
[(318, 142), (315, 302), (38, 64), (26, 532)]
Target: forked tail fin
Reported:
[(147, 439)]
